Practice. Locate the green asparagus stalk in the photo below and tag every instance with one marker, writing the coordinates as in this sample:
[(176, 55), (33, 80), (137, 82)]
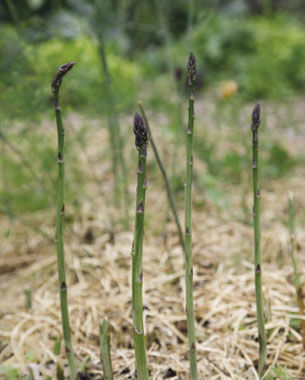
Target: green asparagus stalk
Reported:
[(257, 244), (62, 71), (105, 350), (297, 281), (164, 175), (191, 77), (141, 141)]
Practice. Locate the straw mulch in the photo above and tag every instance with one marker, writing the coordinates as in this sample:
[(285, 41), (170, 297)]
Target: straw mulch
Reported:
[(99, 285)]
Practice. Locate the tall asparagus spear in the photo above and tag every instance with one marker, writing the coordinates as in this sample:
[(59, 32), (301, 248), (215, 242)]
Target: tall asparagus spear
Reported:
[(141, 141), (62, 71), (164, 175), (257, 244), (191, 77), (297, 281)]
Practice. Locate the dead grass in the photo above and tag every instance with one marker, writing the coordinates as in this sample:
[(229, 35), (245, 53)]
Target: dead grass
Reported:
[(99, 284)]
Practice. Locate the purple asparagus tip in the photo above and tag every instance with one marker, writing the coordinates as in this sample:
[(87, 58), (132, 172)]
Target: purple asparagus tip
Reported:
[(61, 72), (256, 117), (191, 70), (140, 131)]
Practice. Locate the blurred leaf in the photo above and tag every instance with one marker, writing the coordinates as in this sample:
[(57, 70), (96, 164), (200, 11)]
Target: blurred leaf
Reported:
[(9, 372), (279, 160), (35, 4)]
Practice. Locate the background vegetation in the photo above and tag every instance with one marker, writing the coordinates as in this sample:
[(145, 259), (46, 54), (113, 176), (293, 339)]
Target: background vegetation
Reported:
[(246, 51)]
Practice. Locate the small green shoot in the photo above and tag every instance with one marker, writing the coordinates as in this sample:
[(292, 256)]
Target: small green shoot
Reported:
[(105, 350)]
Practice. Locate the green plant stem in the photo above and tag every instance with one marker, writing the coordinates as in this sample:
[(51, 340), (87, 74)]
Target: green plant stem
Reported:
[(137, 272), (165, 34), (257, 245), (164, 175), (57, 346), (60, 222), (297, 281), (111, 127), (188, 225), (116, 141), (105, 350), (13, 11)]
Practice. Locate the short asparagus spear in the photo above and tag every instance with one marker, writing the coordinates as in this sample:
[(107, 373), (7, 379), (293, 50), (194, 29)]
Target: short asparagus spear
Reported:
[(105, 350), (257, 244), (140, 132), (297, 281), (191, 77), (164, 175), (62, 71)]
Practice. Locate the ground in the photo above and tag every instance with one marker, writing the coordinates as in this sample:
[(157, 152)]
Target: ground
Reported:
[(99, 275)]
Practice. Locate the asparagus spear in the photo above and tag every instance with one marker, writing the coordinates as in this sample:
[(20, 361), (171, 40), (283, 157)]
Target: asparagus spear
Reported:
[(297, 281), (164, 175), (191, 77), (257, 244), (105, 350), (141, 141), (62, 71)]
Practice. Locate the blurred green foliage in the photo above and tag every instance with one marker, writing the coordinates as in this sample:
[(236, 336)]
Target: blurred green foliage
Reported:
[(8, 373), (264, 56), (25, 92), (146, 46), (279, 161), (278, 372)]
